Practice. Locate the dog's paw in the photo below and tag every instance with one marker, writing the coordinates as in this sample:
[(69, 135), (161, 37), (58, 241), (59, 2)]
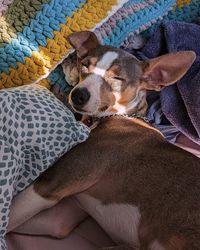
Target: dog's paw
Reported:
[(70, 70)]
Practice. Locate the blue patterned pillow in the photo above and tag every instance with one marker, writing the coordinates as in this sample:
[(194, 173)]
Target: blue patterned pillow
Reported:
[(35, 130)]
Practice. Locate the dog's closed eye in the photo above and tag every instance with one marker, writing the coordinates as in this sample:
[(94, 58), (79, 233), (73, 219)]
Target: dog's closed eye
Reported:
[(115, 82), (118, 78), (85, 63), (85, 66), (115, 79)]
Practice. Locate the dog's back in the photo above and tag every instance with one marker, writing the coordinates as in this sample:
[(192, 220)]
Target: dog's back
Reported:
[(149, 190)]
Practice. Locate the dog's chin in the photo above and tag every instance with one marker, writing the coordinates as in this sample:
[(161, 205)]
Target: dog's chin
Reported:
[(104, 114), (83, 111), (95, 113)]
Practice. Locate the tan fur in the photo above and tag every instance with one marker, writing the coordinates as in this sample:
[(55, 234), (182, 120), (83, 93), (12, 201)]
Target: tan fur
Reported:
[(133, 164)]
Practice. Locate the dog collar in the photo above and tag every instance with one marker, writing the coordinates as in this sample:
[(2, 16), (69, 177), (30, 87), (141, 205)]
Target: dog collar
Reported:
[(92, 122), (136, 116)]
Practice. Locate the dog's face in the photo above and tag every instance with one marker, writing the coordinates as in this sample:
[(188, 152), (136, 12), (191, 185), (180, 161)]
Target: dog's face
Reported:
[(109, 83), (113, 81)]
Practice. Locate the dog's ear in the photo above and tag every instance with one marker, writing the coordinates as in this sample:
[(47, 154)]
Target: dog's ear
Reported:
[(82, 42), (166, 70)]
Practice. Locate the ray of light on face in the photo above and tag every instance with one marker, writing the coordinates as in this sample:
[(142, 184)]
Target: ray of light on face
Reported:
[(121, 109), (105, 63)]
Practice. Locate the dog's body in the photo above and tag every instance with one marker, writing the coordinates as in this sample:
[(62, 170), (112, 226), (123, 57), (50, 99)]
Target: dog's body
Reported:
[(142, 190)]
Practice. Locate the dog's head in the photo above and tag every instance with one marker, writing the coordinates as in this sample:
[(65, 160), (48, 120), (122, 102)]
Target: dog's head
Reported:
[(113, 81)]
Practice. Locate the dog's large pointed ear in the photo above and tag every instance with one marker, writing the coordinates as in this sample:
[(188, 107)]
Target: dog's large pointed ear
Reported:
[(166, 70), (82, 42)]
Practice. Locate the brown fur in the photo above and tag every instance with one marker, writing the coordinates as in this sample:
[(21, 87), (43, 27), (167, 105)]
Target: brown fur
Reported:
[(133, 164)]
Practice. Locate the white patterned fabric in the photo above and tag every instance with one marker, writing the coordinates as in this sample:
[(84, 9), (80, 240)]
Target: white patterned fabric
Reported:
[(35, 130)]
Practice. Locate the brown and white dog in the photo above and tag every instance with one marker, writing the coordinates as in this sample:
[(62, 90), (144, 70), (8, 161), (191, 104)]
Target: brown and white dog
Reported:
[(143, 191)]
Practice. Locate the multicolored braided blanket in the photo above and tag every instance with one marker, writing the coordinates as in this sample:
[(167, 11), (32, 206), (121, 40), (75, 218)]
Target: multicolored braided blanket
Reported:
[(33, 32)]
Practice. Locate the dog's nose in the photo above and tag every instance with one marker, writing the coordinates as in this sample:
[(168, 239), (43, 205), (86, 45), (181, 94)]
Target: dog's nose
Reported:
[(80, 96)]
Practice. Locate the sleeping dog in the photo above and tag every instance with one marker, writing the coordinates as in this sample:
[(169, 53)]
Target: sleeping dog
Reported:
[(142, 190)]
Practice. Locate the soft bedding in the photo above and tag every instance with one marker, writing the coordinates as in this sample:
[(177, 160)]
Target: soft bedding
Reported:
[(87, 236), (65, 227), (31, 47), (33, 34), (35, 130), (178, 104)]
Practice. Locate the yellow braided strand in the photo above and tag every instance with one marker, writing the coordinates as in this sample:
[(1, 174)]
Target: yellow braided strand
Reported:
[(42, 62), (181, 3)]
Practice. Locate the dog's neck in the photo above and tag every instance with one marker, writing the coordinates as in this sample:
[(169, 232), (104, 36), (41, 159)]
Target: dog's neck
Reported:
[(92, 122), (132, 116)]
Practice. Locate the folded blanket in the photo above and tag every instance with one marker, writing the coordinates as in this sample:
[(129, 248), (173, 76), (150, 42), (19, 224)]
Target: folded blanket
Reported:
[(179, 102)]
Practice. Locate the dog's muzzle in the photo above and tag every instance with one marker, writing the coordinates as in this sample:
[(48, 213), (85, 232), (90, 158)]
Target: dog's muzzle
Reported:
[(79, 97)]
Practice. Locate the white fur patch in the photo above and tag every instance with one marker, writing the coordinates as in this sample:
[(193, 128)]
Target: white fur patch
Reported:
[(99, 71), (25, 205), (105, 63), (93, 84), (121, 109), (120, 221)]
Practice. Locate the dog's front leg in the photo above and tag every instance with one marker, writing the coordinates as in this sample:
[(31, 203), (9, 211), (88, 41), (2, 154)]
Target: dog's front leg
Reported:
[(47, 191), (25, 205), (73, 173)]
